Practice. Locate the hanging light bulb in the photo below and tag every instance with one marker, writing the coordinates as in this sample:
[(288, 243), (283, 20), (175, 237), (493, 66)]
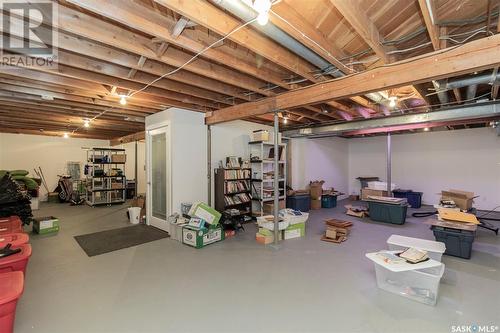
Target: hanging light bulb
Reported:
[(262, 7), (285, 120), (263, 18), (86, 123), (123, 99), (392, 101), (65, 135), (427, 129)]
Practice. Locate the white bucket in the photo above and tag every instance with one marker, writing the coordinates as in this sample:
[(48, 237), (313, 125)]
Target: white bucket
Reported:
[(134, 214)]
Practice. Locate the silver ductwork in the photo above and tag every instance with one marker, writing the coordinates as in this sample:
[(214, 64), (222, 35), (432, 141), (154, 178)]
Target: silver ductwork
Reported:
[(471, 82), (470, 111), (247, 13), (441, 93)]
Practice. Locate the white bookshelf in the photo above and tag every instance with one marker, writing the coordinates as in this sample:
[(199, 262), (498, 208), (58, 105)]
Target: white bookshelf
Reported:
[(263, 178)]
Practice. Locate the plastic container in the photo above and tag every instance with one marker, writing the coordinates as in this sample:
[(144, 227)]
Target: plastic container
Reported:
[(434, 249), (15, 239), (11, 289), (11, 225), (413, 198), (364, 180), (388, 213), (328, 201), (458, 242), (134, 214), (185, 208), (301, 202), (418, 284), (380, 186), (16, 262)]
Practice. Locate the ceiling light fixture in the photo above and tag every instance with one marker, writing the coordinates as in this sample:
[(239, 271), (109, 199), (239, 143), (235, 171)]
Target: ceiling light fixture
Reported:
[(86, 123), (262, 7), (66, 135), (123, 99), (427, 129), (392, 101)]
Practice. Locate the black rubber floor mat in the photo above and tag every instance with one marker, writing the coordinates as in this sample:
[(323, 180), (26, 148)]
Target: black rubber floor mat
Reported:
[(117, 239)]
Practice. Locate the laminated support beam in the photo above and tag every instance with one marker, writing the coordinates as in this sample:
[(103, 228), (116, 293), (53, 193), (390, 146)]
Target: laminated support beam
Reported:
[(473, 56), (476, 111)]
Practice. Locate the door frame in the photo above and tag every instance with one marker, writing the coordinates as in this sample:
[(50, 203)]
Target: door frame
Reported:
[(163, 127)]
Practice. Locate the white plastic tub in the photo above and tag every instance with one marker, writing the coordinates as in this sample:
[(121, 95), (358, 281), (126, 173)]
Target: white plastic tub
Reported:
[(420, 284), (380, 186), (434, 249)]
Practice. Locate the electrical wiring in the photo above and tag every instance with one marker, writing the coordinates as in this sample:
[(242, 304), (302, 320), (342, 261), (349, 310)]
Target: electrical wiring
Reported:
[(178, 68), (309, 39), (194, 57), (410, 48)]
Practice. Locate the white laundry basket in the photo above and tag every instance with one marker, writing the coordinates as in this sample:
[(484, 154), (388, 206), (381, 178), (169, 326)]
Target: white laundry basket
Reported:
[(134, 214)]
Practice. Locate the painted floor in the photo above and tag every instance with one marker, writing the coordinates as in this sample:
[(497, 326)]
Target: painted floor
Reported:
[(240, 286)]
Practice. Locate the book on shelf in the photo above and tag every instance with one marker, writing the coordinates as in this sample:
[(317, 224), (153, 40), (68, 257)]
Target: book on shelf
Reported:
[(236, 186), (237, 199), (233, 162), (236, 174), (281, 154)]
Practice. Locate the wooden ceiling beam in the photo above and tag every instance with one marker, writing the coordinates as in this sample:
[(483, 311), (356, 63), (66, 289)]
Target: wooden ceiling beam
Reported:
[(476, 55), (355, 15), (57, 133), (430, 24), (217, 20), (57, 127), (76, 44), (141, 18), (128, 138)]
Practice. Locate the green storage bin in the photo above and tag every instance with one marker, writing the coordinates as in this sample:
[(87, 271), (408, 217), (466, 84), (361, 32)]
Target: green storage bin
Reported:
[(328, 201), (383, 212)]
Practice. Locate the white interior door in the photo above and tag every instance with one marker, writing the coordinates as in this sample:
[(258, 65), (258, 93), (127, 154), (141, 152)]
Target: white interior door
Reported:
[(158, 180)]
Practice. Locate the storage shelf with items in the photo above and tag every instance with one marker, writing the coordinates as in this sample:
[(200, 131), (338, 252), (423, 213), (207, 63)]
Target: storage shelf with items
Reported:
[(263, 177), (105, 176), (232, 187)]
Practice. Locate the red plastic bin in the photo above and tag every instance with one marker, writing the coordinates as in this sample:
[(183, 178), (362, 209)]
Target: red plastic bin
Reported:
[(16, 239), (16, 262), (10, 225), (11, 289)]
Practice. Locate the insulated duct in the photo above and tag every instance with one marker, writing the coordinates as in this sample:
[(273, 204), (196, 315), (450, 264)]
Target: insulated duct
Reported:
[(246, 13), (471, 82), (469, 111)]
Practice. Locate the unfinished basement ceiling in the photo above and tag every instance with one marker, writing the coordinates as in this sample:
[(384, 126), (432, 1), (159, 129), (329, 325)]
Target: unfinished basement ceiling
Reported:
[(115, 47)]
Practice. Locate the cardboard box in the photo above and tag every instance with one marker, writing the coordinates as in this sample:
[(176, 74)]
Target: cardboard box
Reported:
[(199, 238), (315, 203), (46, 225), (268, 208), (119, 158), (365, 192), (331, 233), (462, 199), (263, 239), (316, 189), (260, 135), (205, 212), (295, 231)]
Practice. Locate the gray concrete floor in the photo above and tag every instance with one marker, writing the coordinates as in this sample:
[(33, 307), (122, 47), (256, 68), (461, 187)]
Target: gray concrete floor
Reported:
[(240, 286)]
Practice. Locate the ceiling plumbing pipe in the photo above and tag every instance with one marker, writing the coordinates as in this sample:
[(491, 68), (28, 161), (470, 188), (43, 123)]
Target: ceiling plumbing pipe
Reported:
[(246, 13), (441, 93), (471, 92)]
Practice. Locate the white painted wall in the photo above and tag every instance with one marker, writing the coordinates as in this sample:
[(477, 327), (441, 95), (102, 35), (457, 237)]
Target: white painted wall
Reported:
[(320, 159), (141, 163), (231, 139), (20, 151), (188, 154), (432, 161)]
